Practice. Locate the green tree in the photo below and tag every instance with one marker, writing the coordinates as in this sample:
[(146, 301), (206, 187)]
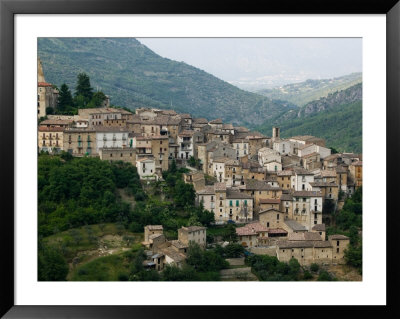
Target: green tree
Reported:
[(234, 250), (51, 264), (325, 276), (353, 256), (49, 110), (314, 267), (97, 99), (230, 234), (65, 100), (83, 89)]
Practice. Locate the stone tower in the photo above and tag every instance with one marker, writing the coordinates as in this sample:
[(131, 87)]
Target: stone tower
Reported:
[(40, 74), (275, 133)]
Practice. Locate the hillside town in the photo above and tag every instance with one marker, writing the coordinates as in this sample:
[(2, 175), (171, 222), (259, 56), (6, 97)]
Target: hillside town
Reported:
[(279, 192)]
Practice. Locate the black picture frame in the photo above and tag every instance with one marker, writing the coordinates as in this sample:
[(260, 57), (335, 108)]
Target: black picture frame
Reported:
[(9, 8)]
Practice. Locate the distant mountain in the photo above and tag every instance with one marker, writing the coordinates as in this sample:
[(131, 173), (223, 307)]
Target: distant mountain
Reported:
[(310, 90), (337, 118), (134, 76)]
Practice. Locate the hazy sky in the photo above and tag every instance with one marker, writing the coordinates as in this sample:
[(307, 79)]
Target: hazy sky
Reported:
[(254, 62)]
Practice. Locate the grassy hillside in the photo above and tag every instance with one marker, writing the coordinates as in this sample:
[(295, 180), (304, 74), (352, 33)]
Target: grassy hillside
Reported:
[(134, 76), (302, 93)]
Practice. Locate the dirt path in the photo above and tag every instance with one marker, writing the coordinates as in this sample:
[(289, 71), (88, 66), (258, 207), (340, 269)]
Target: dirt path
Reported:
[(107, 245)]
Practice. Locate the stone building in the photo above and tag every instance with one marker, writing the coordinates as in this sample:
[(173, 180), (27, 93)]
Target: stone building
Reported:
[(195, 234), (146, 168), (355, 173), (50, 139), (127, 155), (80, 141), (111, 137)]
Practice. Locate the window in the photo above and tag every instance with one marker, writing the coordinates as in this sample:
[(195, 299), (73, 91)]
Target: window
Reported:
[(121, 154), (277, 216), (268, 224), (337, 250), (230, 203), (237, 203), (303, 187), (337, 243)]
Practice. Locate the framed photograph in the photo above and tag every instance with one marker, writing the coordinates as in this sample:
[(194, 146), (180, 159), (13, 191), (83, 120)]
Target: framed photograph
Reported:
[(231, 101)]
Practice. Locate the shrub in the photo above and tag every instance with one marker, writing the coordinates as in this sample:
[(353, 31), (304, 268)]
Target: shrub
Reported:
[(314, 267)]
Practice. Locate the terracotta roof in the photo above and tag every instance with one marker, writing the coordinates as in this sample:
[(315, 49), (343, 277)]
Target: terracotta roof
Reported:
[(324, 184), (307, 194), (231, 194), (154, 137), (152, 236), (178, 244), (322, 244), (155, 227), (216, 121), (241, 129), (311, 155), (200, 121), (285, 173), (251, 229), (173, 254), (56, 122), (295, 244), (51, 129), (332, 157), (194, 228), (286, 197), (295, 225), (358, 163), (270, 201), (338, 237), (43, 84), (277, 231), (269, 210), (207, 190), (328, 173), (319, 227), (245, 231)]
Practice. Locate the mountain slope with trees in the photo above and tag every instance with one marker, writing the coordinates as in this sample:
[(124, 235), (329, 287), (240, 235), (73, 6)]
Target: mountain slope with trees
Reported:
[(304, 92), (134, 76), (337, 118)]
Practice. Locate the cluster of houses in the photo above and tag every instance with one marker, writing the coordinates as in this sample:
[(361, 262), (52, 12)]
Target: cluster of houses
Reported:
[(282, 190), (161, 252)]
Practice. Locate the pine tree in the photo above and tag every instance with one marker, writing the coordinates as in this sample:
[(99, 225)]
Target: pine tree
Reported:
[(64, 98), (83, 88)]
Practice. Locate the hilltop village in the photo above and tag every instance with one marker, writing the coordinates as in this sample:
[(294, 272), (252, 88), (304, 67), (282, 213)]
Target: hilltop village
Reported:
[(280, 193)]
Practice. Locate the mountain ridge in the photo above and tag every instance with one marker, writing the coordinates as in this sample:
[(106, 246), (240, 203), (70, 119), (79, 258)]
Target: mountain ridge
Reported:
[(134, 76)]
